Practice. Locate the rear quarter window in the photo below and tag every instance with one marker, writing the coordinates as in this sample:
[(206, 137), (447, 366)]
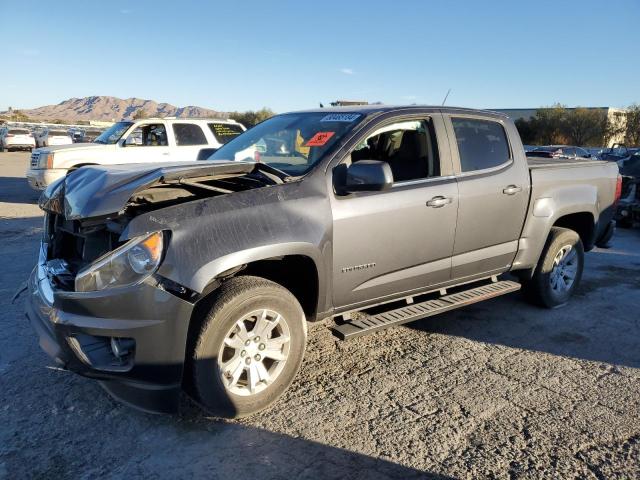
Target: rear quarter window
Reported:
[(482, 144), (225, 132)]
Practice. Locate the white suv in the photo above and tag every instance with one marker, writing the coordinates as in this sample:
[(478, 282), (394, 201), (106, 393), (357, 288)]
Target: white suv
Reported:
[(148, 140)]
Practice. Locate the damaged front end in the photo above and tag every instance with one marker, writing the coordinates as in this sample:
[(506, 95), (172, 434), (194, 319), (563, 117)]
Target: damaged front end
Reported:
[(87, 213), (96, 300)]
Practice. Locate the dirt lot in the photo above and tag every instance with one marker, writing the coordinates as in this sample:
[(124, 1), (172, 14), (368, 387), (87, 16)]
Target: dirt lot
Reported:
[(501, 389)]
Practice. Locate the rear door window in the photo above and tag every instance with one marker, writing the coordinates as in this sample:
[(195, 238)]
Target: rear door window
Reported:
[(188, 134), (224, 132), (482, 144)]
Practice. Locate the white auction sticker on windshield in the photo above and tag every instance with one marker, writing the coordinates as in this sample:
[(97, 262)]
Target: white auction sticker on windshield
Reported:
[(340, 117)]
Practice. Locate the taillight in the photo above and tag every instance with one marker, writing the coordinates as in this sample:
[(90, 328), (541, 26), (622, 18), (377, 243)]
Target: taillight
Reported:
[(256, 156), (10, 135), (618, 189)]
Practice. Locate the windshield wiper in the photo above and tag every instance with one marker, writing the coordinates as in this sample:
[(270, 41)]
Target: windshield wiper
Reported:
[(274, 174)]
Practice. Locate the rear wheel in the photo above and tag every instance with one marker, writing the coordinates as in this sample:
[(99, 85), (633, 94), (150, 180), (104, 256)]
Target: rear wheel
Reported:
[(559, 269), (249, 348)]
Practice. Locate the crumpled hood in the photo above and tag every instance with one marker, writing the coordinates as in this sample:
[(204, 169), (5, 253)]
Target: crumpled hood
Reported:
[(98, 191)]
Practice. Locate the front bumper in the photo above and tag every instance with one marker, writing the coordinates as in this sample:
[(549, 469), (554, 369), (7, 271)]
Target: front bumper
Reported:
[(41, 178), (71, 327)]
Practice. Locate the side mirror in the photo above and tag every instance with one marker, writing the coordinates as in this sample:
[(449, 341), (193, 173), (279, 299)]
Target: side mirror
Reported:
[(368, 176)]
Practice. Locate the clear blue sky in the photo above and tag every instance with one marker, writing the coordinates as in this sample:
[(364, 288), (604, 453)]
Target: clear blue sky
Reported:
[(293, 54)]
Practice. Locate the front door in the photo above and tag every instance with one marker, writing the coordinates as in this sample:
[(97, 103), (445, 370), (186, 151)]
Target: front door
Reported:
[(148, 142), (399, 240)]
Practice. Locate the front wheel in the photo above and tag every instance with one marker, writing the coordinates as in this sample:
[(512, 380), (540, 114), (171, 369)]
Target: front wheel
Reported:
[(559, 269), (249, 348)]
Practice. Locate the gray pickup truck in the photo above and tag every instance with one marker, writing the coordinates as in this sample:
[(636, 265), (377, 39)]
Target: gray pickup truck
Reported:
[(201, 276)]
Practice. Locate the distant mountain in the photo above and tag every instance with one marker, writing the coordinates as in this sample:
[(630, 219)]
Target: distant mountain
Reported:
[(113, 109)]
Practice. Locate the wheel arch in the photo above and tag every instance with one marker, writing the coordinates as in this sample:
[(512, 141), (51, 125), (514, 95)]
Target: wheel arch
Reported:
[(580, 218), (297, 267), (583, 223)]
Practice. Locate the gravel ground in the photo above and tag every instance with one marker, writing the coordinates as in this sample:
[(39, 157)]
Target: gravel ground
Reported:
[(499, 390)]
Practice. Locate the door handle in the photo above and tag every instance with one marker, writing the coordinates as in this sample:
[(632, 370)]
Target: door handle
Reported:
[(512, 190), (437, 202)]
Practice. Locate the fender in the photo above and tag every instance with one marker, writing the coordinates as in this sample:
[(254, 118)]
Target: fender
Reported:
[(211, 270), (545, 211)]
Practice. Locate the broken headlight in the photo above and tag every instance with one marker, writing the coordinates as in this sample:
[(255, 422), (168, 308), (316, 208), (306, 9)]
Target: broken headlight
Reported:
[(126, 265)]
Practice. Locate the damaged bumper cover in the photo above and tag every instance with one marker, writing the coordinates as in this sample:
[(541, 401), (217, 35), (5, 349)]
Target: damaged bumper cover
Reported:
[(146, 325)]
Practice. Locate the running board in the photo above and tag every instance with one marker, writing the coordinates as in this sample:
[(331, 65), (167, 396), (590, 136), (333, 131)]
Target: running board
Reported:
[(416, 311)]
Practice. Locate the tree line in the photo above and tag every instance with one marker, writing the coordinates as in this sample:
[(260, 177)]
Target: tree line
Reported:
[(557, 125)]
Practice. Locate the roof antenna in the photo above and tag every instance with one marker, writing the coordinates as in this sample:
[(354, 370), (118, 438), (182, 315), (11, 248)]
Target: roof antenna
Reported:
[(446, 96)]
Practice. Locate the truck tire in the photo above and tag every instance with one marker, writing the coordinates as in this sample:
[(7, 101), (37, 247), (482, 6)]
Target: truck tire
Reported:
[(559, 269), (249, 347)]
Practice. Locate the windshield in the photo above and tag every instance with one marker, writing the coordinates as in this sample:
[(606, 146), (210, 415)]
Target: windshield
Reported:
[(292, 143), (113, 133)]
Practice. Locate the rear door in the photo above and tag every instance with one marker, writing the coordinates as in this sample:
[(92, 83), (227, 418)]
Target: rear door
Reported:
[(493, 187), (399, 240), (188, 139)]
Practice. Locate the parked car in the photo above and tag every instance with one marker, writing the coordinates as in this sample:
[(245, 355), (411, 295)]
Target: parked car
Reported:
[(617, 153), (559, 151), (50, 137), (154, 278), (90, 135), (77, 135), (595, 152), (16, 139), (149, 140)]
